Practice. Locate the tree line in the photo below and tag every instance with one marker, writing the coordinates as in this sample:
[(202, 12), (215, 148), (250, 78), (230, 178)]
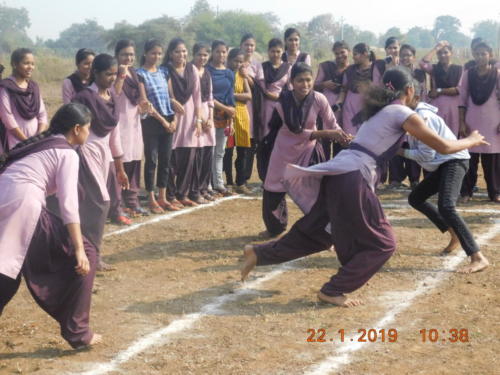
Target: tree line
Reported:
[(204, 24)]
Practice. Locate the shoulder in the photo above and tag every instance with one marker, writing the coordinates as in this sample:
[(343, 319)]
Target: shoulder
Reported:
[(320, 99)]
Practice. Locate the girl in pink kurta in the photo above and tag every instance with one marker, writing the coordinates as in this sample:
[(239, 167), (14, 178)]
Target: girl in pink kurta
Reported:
[(274, 78), (102, 148), (357, 79), (250, 70), (80, 79), (206, 140), (186, 100), (480, 110), (292, 54), (129, 100), (329, 82), (56, 262), (296, 142), (445, 83), (22, 111)]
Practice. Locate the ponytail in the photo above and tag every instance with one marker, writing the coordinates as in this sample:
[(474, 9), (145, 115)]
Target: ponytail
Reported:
[(373, 57)]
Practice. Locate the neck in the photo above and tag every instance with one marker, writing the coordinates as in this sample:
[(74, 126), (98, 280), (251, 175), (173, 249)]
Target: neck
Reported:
[(102, 91), (341, 64), (298, 97), (276, 63), (83, 77), (217, 65), (248, 58), (20, 80), (292, 52), (148, 66), (178, 65), (483, 68), (445, 64), (364, 64)]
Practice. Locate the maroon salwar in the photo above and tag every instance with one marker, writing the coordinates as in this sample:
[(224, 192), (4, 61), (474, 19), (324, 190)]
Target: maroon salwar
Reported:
[(49, 271), (360, 232), (130, 196), (180, 181), (204, 167), (115, 194), (491, 171)]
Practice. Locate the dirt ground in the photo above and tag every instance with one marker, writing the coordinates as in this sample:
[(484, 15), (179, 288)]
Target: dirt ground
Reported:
[(184, 272)]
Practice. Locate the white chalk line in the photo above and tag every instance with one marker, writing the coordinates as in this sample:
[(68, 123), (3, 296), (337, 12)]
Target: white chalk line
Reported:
[(162, 335), (493, 211), (171, 215), (401, 301)]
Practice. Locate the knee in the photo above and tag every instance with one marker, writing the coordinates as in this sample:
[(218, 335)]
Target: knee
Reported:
[(414, 200), (447, 209)]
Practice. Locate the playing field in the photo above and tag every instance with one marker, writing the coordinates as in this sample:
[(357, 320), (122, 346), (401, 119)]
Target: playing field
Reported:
[(174, 304)]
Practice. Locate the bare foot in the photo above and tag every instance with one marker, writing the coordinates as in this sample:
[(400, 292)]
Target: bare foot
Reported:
[(453, 245), (104, 267), (250, 261), (95, 340), (342, 300), (478, 262)]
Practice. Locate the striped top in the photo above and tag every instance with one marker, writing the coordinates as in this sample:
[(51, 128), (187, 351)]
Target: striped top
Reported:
[(156, 84), (241, 118)]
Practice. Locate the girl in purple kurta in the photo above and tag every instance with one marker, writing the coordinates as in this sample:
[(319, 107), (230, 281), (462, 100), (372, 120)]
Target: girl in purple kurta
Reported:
[(296, 142), (130, 103), (338, 198), (274, 78), (358, 77), (22, 111), (445, 82), (80, 79), (103, 145), (480, 110), (329, 82), (57, 263), (186, 100), (250, 70), (206, 140), (292, 53)]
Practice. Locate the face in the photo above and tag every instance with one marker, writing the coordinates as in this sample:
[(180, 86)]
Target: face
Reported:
[(201, 57), (85, 66), (25, 67), (179, 55), (303, 84), (392, 49), (105, 79), (444, 55), (482, 56), (275, 54), (341, 55), (154, 56), (219, 55), (248, 47), (237, 63), (359, 58), (293, 42), (406, 57), (126, 56), (81, 133)]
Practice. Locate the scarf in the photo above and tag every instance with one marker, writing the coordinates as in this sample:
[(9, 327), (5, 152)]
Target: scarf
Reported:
[(272, 74), (182, 86), (481, 87), (104, 117), (295, 114), (131, 87), (446, 79), (27, 101), (77, 82)]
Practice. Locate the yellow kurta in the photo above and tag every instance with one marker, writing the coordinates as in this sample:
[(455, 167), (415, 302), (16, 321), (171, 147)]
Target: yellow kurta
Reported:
[(242, 119)]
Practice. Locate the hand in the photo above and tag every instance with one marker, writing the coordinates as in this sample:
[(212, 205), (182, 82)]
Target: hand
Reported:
[(441, 44), (144, 107), (198, 127), (82, 262), (339, 136), (122, 71), (231, 111), (209, 124), (401, 152), (178, 108), (432, 94), (330, 85), (477, 139), (122, 178), (243, 71)]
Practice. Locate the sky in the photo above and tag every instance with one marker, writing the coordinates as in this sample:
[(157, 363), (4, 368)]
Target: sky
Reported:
[(50, 17)]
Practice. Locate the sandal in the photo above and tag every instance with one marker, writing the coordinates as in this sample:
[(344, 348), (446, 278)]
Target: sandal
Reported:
[(121, 220), (188, 203), (156, 209), (167, 206), (174, 202)]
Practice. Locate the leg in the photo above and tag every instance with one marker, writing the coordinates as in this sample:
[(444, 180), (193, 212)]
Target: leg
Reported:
[(206, 168), (242, 155), (8, 289), (115, 194), (397, 172), (250, 160), (130, 196), (413, 171), (172, 176), (227, 165), (151, 159), (470, 178), (274, 212), (217, 181), (184, 162), (194, 190), (491, 170)]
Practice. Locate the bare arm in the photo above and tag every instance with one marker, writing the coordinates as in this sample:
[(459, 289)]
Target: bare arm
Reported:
[(82, 262), (246, 95), (417, 128), (18, 133)]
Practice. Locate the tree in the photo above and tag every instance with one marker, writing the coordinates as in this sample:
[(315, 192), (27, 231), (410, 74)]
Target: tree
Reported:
[(13, 25), (88, 34), (489, 30), (419, 37), (321, 33), (367, 37), (393, 31)]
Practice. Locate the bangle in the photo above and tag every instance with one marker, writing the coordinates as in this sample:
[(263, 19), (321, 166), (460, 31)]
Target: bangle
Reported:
[(199, 120)]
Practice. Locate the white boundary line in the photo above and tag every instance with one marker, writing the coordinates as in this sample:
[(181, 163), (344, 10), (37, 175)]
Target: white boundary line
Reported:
[(401, 301), (162, 335)]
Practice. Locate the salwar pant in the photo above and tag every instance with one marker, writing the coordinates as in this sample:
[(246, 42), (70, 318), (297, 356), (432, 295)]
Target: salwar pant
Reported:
[(491, 170), (400, 168), (205, 162), (157, 153), (130, 196), (220, 144), (362, 236), (274, 212), (250, 159), (115, 194), (182, 172), (446, 182), (49, 271)]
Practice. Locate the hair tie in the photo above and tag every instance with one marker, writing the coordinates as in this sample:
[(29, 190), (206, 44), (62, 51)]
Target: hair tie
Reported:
[(390, 86)]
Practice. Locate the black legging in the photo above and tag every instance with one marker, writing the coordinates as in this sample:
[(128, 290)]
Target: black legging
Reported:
[(446, 181)]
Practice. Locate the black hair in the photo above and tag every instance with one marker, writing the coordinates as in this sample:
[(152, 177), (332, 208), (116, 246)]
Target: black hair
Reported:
[(408, 47), (103, 62), (82, 54), (234, 53), (123, 43), (475, 41), (395, 81), (245, 37), (448, 46), (364, 48), (391, 40), (299, 68), (341, 44), (484, 45), (290, 31), (148, 46), (172, 45), (275, 42), (18, 55), (65, 119), (199, 46), (215, 44)]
